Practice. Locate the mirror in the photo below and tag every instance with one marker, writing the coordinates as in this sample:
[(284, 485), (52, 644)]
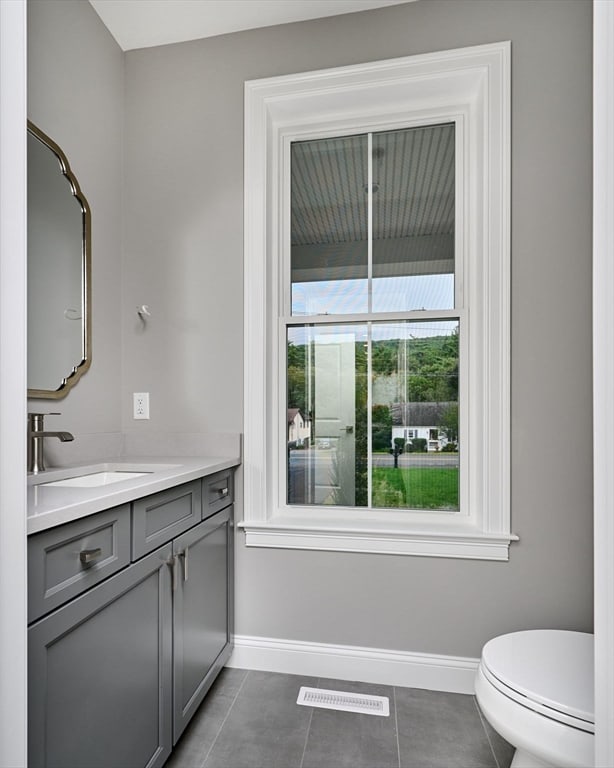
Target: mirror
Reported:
[(59, 264)]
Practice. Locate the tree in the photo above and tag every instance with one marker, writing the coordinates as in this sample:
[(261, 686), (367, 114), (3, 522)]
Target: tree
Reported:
[(381, 428), (297, 356), (449, 423), (428, 365), (432, 364), (384, 357), (361, 443)]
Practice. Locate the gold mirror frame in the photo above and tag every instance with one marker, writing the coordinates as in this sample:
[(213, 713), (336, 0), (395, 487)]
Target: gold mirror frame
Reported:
[(67, 383)]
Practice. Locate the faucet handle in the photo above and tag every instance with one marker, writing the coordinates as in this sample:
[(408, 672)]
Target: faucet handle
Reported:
[(36, 421)]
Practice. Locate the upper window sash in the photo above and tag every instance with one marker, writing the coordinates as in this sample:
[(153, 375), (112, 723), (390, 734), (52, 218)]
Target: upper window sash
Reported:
[(334, 129)]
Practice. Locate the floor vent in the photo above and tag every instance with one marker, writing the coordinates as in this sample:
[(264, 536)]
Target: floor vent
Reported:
[(344, 701)]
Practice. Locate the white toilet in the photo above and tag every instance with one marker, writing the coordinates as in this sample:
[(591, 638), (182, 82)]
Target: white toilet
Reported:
[(536, 689)]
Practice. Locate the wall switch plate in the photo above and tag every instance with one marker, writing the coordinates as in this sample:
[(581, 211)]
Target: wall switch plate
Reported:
[(140, 405)]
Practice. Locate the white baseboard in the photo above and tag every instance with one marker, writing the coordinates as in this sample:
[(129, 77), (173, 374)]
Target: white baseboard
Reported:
[(454, 674)]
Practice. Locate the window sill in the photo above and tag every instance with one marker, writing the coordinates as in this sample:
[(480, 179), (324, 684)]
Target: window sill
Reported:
[(450, 540)]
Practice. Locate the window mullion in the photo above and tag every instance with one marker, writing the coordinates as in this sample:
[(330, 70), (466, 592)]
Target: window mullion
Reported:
[(369, 420), (370, 223), (370, 310)]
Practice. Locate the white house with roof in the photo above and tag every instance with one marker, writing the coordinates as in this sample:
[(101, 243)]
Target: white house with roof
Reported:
[(411, 421), (299, 426)]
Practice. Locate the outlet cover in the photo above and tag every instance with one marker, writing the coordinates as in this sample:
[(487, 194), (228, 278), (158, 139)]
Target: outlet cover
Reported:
[(140, 405)]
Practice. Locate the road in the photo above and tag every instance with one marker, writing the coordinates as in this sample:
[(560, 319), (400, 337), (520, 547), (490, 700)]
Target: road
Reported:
[(324, 457)]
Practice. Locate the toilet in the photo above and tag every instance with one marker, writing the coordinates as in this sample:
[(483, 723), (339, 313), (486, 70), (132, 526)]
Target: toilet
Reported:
[(536, 690)]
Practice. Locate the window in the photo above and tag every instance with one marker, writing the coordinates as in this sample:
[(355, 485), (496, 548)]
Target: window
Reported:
[(372, 224), (377, 307)]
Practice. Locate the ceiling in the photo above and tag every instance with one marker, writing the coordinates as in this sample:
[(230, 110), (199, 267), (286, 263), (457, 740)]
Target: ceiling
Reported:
[(145, 23), (413, 186), (413, 212)]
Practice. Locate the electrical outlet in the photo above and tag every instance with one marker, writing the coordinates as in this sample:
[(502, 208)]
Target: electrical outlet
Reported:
[(140, 405)]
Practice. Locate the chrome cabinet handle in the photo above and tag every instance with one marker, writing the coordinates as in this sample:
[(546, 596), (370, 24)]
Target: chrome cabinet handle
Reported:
[(184, 562), (88, 556), (172, 562), (222, 490)]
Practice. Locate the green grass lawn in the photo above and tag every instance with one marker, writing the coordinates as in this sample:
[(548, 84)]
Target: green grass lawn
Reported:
[(415, 487)]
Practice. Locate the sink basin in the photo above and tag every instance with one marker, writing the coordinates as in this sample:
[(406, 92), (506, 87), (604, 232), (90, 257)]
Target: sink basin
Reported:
[(96, 479)]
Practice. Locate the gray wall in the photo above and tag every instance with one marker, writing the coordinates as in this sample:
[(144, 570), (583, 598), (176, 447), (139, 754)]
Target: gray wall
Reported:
[(183, 251), (184, 155), (76, 95)]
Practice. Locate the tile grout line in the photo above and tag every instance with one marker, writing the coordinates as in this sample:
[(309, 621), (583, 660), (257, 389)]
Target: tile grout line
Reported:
[(202, 765), (306, 738), (494, 754), (396, 723), (317, 685)]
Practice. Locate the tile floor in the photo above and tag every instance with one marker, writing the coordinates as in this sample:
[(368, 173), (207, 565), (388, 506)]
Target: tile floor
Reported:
[(251, 720)]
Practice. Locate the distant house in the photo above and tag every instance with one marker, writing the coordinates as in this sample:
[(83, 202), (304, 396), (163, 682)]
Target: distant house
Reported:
[(299, 426), (420, 420)]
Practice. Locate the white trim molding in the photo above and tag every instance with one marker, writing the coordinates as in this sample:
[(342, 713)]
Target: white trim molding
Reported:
[(603, 366), (378, 538), (13, 554), (470, 87), (453, 674)]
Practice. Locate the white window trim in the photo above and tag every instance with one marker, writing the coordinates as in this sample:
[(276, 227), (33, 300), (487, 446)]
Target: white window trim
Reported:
[(472, 87)]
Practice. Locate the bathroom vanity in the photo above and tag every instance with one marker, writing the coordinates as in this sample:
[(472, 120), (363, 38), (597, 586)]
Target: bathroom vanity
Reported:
[(130, 561), (130, 607)]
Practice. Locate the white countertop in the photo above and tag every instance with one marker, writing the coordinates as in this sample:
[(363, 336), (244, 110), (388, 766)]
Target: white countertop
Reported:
[(53, 505)]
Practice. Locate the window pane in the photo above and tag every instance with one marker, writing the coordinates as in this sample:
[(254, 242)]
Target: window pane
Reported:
[(329, 253), (327, 401), (414, 439), (413, 219), (414, 436)]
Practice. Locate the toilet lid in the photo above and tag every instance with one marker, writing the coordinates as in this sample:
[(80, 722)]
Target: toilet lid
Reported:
[(551, 667)]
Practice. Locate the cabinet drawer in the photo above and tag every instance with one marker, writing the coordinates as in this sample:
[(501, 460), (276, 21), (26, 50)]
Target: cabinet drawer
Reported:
[(218, 492), (65, 561), (160, 517)]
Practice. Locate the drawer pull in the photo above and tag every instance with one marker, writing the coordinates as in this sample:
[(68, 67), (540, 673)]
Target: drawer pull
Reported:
[(88, 556), (222, 490)]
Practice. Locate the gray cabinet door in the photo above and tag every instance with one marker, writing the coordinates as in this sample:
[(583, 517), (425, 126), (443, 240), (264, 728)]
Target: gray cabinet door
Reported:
[(202, 612), (100, 674)]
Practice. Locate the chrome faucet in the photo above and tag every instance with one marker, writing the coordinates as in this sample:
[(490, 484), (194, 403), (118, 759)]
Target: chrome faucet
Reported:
[(36, 433)]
